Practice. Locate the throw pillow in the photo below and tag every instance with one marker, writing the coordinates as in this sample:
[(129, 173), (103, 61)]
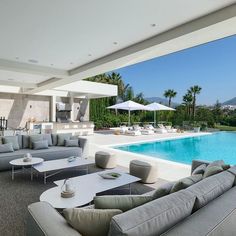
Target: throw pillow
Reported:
[(43, 144), (34, 138), (217, 163), (6, 148), (90, 222), (163, 190), (212, 170), (200, 169), (122, 202), (61, 138), (226, 167), (186, 182), (13, 140), (71, 142)]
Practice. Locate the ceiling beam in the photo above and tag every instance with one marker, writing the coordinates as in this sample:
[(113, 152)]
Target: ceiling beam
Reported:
[(31, 69), (207, 28), (18, 84)]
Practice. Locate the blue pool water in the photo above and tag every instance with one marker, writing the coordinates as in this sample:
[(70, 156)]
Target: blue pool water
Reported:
[(216, 146)]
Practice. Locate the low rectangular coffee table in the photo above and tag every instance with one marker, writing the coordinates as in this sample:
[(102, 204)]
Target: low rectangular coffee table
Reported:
[(95, 183), (60, 165)]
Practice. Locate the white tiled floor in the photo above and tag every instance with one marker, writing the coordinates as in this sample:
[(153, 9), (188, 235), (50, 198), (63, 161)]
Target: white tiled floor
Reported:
[(167, 170)]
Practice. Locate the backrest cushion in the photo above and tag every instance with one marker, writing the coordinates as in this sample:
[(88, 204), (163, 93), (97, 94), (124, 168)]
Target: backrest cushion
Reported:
[(210, 188), (20, 140), (25, 141), (13, 140), (48, 137), (155, 217), (62, 137), (4, 148), (54, 139)]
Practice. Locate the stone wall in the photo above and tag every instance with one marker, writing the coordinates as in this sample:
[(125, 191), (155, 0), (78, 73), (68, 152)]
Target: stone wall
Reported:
[(18, 108)]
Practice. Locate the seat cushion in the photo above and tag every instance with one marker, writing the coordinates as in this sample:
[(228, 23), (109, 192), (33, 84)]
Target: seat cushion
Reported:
[(122, 202), (13, 140), (210, 188), (155, 217), (90, 222)]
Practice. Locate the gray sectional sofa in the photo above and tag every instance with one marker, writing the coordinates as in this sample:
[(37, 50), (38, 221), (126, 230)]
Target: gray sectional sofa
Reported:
[(207, 208), (53, 151)]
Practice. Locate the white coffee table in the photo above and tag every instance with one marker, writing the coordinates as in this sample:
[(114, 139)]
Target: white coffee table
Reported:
[(21, 163), (86, 188), (60, 165)]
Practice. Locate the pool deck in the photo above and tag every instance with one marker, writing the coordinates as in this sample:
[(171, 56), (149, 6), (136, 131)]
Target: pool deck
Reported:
[(168, 170)]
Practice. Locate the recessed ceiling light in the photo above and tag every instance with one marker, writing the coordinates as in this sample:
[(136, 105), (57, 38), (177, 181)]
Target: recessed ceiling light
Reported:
[(17, 58), (32, 61), (153, 25), (10, 79), (89, 55), (52, 64), (71, 63), (115, 43)]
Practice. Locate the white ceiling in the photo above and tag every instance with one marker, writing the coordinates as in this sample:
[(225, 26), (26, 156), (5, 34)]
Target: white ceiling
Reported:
[(69, 34), (61, 32)]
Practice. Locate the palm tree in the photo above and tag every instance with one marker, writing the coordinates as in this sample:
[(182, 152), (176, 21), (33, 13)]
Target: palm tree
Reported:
[(194, 90), (187, 101), (170, 93)]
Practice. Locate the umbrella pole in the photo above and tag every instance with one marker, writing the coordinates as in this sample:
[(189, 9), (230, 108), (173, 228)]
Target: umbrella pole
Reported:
[(155, 125), (129, 119)]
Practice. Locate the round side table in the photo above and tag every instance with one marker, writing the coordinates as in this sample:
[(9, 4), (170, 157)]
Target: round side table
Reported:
[(23, 164)]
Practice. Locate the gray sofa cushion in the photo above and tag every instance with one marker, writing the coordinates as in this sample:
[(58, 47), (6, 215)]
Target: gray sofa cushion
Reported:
[(210, 188), (34, 138), (163, 190), (25, 141), (62, 137), (199, 170), (52, 153), (71, 142), (4, 148), (212, 170), (122, 202), (90, 222), (185, 182), (54, 139), (155, 217), (43, 144), (209, 219), (48, 137), (13, 140)]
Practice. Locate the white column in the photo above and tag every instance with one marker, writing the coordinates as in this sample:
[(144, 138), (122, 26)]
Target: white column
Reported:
[(72, 113), (53, 108)]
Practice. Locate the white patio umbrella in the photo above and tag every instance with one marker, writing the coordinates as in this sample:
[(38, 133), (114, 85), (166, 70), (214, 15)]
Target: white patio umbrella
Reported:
[(129, 106), (158, 107)]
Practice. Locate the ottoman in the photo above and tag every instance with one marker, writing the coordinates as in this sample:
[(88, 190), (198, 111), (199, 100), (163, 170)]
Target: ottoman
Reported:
[(147, 172), (105, 160)]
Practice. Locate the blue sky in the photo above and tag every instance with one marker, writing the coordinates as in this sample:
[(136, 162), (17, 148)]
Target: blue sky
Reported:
[(211, 66)]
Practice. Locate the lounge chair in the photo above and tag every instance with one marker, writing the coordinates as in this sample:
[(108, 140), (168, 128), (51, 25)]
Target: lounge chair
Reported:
[(133, 132), (161, 129), (147, 131)]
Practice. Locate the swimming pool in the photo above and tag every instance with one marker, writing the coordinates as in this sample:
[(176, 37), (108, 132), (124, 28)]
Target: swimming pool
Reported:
[(221, 145)]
